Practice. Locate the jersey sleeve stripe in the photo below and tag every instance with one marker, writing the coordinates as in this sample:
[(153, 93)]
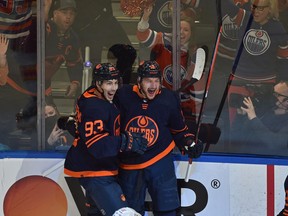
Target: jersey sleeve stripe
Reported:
[(173, 131), (95, 139)]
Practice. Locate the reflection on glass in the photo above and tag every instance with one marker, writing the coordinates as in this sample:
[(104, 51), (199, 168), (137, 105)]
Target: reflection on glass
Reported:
[(260, 62), (104, 25), (160, 44), (262, 129), (18, 88), (63, 62), (98, 27)]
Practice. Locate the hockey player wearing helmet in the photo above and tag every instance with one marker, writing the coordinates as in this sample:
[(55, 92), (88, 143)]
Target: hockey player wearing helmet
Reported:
[(106, 79), (93, 157), (149, 79), (156, 112)]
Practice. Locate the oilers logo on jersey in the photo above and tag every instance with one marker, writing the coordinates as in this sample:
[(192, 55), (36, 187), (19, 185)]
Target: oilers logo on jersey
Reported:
[(230, 28), (117, 126), (168, 74), (145, 125), (256, 42), (164, 14)]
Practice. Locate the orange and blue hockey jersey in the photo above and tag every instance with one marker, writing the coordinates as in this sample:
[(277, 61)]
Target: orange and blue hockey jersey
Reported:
[(97, 141), (160, 119)]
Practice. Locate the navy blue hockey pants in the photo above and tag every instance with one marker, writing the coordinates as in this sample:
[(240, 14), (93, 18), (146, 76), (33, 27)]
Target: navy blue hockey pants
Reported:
[(103, 195), (160, 181)]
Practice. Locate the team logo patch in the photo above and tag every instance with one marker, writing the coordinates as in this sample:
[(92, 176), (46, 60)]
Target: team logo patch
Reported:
[(164, 14), (145, 125), (256, 42), (230, 29), (117, 126), (168, 74)]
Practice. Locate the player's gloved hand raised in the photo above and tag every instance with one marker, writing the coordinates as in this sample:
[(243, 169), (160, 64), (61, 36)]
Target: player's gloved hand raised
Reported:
[(134, 142), (192, 149)]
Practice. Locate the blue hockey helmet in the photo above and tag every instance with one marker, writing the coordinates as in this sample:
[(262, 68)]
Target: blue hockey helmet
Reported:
[(105, 71), (149, 69)]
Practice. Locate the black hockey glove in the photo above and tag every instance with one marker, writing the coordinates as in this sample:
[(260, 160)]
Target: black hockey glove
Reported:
[(209, 133), (134, 142), (67, 123), (190, 148)]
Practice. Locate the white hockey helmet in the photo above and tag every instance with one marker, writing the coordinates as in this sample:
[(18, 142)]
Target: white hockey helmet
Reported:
[(126, 211)]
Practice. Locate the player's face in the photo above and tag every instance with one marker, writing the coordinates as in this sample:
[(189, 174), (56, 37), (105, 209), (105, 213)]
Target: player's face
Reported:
[(109, 88), (64, 18), (185, 32), (260, 10), (150, 87)]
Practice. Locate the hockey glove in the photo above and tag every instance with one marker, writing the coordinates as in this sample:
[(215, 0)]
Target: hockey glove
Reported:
[(134, 142), (192, 149), (67, 123)]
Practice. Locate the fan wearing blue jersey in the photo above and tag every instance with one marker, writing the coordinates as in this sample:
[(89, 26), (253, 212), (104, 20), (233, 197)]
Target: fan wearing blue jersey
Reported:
[(93, 157), (147, 108)]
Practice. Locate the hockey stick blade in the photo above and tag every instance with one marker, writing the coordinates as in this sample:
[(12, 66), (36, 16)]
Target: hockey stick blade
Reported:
[(199, 63), (198, 69)]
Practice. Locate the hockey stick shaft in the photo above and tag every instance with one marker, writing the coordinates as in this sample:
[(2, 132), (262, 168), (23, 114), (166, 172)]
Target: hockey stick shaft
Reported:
[(209, 77), (199, 67), (230, 78), (207, 85)]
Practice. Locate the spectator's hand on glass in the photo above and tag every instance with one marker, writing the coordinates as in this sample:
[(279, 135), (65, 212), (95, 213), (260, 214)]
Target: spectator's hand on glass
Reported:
[(72, 89), (249, 109), (55, 135), (4, 42)]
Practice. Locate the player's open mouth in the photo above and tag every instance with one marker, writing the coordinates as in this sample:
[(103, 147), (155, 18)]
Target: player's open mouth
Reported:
[(110, 95), (151, 92)]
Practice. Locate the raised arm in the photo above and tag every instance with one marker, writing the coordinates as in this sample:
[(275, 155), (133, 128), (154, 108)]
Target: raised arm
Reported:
[(47, 6), (4, 42), (144, 24)]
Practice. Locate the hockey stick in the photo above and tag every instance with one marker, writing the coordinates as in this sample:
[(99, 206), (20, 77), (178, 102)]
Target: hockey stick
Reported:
[(200, 63), (198, 69), (230, 78), (207, 85)]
